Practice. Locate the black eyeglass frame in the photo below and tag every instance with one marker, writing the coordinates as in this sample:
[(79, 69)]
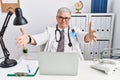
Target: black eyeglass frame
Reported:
[(64, 18)]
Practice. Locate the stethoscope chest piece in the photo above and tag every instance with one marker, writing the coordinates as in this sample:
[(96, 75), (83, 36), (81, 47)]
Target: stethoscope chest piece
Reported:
[(69, 44)]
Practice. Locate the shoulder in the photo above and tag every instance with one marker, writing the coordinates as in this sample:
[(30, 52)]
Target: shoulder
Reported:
[(50, 29)]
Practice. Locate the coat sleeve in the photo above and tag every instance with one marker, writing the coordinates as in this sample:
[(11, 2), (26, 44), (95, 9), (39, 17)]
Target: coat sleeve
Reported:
[(80, 36), (41, 38)]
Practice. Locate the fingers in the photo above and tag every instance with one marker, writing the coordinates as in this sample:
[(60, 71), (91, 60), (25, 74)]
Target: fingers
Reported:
[(90, 27), (19, 43), (93, 31), (22, 31), (92, 38), (22, 40)]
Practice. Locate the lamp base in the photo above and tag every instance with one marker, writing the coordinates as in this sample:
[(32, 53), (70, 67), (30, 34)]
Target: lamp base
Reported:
[(8, 63)]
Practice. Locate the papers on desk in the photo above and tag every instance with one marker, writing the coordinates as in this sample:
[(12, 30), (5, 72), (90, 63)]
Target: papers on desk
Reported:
[(25, 68)]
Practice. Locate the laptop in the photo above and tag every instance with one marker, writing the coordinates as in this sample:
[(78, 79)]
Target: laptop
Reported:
[(58, 63)]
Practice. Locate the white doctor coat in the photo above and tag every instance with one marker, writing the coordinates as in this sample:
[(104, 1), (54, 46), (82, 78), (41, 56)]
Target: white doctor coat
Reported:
[(47, 38)]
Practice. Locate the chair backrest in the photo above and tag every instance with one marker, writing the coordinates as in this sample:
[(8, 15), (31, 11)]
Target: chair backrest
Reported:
[(114, 53), (42, 47)]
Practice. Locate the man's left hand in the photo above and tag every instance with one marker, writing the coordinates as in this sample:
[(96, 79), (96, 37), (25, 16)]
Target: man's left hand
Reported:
[(90, 36)]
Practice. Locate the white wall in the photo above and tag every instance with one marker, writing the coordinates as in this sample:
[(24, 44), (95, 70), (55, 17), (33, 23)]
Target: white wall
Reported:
[(39, 13)]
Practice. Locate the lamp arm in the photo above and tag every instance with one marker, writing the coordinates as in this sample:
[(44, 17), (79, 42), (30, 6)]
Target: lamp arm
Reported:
[(5, 23), (5, 51)]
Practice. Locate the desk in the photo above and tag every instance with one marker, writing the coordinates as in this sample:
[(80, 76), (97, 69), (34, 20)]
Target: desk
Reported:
[(84, 73)]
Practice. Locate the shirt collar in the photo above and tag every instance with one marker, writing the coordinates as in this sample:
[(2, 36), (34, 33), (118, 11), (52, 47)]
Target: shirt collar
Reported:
[(65, 30)]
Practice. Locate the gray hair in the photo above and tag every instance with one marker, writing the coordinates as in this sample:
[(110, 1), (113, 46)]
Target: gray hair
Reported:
[(63, 9)]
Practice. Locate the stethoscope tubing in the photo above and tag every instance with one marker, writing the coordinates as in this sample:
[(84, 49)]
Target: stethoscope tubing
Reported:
[(57, 30)]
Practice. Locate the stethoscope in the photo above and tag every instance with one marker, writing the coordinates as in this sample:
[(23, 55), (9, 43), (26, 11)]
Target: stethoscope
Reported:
[(58, 39)]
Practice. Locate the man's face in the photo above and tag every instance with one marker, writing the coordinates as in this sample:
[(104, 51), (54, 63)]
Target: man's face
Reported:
[(63, 19)]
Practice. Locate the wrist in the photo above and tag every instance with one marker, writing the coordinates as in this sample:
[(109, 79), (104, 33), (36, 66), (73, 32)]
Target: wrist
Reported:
[(30, 39)]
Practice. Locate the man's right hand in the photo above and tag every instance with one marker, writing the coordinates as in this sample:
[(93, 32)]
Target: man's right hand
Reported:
[(23, 39)]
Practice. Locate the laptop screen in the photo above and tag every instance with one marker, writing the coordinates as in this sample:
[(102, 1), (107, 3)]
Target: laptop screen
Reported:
[(58, 63)]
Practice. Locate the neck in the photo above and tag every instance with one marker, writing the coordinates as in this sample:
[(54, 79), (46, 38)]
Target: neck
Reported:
[(63, 27)]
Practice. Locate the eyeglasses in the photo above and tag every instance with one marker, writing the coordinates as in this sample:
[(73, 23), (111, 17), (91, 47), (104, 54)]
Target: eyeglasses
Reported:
[(64, 18)]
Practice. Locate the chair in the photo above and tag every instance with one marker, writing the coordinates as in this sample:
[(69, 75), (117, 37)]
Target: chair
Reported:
[(114, 53), (42, 47)]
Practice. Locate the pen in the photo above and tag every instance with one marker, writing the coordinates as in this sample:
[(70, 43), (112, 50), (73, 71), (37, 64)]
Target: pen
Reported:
[(28, 69)]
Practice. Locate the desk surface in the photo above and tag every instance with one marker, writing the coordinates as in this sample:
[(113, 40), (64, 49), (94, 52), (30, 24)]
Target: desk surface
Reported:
[(84, 73)]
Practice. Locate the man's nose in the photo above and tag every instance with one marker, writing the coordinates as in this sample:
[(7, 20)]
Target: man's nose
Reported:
[(63, 19)]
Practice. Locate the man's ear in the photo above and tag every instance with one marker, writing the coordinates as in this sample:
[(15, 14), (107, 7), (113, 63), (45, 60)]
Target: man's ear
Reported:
[(56, 17)]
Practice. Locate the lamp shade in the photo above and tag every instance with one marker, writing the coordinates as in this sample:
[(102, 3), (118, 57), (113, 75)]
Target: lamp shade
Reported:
[(19, 19)]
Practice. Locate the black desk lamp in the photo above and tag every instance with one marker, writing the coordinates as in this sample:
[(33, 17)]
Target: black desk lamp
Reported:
[(19, 20)]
